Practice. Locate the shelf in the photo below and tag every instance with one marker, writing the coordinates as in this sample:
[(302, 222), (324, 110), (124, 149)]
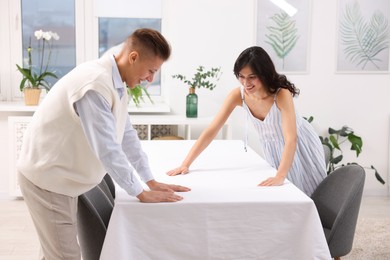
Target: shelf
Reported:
[(144, 108), (168, 120)]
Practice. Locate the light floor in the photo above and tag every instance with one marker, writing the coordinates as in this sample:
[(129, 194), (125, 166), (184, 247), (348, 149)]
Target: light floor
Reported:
[(18, 240)]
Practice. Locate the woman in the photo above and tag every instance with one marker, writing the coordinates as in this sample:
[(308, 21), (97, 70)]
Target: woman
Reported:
[(289, 143)]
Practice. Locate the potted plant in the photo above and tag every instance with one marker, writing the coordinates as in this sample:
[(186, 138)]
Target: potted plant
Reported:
[(34, 75), (335, 140), (202, 78), (136, 94)]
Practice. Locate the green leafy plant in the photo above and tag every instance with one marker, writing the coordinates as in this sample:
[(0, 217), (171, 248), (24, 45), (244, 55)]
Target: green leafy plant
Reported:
[(34, 76), (202, 78), (283, 36), (335, 140), (363, 40), (136, 95)]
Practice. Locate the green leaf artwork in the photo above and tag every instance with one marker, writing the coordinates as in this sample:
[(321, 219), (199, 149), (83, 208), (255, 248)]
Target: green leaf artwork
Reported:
[(283, 35), (363, 40)]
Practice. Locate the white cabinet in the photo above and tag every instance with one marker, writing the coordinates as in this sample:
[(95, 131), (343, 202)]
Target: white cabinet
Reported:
[(16, 127), (18, 124)]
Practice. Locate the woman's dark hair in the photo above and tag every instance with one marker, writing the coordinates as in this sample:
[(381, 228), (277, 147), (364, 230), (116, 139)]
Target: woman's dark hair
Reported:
[(263, 67)]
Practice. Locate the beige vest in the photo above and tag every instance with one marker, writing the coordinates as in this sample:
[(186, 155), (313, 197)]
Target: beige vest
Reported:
[(55, 154)]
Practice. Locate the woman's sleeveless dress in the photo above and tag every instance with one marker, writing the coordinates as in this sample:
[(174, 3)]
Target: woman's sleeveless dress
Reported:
[(308, 168)]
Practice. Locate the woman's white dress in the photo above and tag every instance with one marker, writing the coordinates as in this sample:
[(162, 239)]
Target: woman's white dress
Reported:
[(308, 168)]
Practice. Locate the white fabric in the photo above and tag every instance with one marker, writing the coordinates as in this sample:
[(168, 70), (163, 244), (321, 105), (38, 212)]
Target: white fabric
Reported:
[(225, 215)]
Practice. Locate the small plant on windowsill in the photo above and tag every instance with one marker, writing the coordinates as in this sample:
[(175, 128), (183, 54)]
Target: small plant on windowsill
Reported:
[(136, 95), (335, 140), (35, 75), (202, 79)]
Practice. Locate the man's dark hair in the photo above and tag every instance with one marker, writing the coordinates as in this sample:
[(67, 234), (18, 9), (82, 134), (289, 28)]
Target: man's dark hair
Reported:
[(148, 41)]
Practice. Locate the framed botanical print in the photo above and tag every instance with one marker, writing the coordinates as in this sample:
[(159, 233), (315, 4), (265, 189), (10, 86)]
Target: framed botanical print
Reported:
[(283, 30), (363, 36)]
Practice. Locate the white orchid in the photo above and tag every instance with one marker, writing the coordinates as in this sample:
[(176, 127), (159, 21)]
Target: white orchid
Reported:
[(38, 34), (46, 35), (55, 36), (35, 75)]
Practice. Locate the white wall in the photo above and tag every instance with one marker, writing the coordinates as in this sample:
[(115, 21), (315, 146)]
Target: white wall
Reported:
[(359, 101), (213, 33)]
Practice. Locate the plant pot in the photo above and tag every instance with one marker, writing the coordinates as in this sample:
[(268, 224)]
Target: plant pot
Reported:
[(31, 96), (192, 104)]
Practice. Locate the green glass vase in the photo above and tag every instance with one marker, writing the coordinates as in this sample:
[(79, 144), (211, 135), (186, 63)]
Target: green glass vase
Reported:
[(192, 104)]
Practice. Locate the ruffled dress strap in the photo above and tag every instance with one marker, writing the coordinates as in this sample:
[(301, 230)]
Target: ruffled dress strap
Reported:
[(276, 93), (246, 120)]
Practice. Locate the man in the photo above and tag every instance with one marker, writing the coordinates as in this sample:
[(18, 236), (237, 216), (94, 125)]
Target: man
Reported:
[(82, 130)]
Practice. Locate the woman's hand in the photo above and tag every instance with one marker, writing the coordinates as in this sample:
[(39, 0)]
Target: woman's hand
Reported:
[(273, 181), (178, 170)]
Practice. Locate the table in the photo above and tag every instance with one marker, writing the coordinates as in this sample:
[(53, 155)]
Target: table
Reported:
[(224, 216), (17, 126)]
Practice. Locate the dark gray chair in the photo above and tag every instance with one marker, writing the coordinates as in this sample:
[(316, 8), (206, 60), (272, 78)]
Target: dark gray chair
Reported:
[(93, 216), (110, 183), (338, 199)]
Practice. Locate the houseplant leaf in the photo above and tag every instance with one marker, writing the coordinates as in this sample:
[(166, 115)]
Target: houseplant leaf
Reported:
[(334, 142), (377, 176), (337, 159), (345, 131), (332, 131), (356, 143)]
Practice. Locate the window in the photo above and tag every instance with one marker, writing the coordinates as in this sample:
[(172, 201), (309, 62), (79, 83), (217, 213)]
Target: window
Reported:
[(56, 16), (115, 24), (87, 28), (112, 34)]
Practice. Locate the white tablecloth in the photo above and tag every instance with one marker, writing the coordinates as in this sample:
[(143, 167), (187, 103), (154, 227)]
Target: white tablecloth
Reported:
[(225, 215)]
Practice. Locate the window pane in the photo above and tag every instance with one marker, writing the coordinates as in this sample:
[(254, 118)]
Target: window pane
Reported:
[(50, 15), (113, 31)]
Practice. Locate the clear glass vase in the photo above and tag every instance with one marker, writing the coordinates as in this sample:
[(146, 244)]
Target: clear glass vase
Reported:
[(192, 104)]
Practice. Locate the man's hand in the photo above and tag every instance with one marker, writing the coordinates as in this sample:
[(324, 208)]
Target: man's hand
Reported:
[(158, 196), (158, 186), (161, 192)]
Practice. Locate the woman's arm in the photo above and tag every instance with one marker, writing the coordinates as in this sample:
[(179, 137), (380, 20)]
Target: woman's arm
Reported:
[(285, 103), (231, 101)]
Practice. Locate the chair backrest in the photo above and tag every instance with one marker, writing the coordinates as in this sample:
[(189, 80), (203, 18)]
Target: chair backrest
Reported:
[(93, 216), (109, 182), (338, 199)]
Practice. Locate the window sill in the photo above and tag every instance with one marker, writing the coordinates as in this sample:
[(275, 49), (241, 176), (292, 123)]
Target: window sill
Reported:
[(16, 107), (149, 108)]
